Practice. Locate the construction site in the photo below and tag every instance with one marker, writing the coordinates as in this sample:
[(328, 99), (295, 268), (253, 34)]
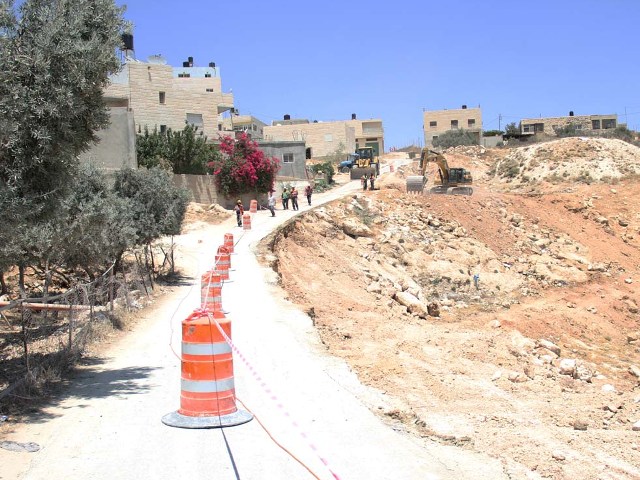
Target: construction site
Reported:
[(490, 334)]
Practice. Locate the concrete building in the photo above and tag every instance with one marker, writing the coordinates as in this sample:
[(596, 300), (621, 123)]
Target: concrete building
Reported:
[(327, 138), (165, 97), (549, 125), (292, 156), (437, 122), (245, 123)]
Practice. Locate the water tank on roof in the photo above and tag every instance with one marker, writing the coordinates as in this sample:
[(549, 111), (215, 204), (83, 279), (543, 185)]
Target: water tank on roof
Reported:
[(464, 107), (287, 117), (185, 64), (571, 113), (353, 116), (157, 59), (212, 64), (190, 60), (127, 41)]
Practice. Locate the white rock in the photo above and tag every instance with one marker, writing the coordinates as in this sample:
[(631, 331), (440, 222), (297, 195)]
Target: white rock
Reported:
[(608, 388), (549, 346), (636, 426), (567, 366), (628, 280), (496, 376), (635, 371), (558, 456)]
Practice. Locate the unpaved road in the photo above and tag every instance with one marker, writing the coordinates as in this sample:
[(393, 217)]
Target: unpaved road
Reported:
[(106, 424)]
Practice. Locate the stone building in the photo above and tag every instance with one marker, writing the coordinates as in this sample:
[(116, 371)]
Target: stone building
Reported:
[(245, 123), (437, 122), (327, 138), (292, 156), (549, 125), (165, 97)]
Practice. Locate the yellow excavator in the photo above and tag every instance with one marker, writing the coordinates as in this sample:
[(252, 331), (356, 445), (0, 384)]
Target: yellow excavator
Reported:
[(453, 181)]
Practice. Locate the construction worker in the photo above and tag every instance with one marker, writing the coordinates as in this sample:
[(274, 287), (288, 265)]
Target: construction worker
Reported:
[(239, 209), (363, 180)]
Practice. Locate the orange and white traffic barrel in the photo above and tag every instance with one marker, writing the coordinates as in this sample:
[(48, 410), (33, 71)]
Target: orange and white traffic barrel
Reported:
[(253, 206), (246, 221), (228, 241), (211, 292), (222, 250), (207, 388), (222, 265)]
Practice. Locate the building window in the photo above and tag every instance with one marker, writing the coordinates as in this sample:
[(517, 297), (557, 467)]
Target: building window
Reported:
[(162, 96), (194, 119), (328, 137), (163, 129), (608, 123), (207, 75), (184, 75), (433, 124), (471, 123), (435, 137), (287, 158), (454, 124), (595, 124), (210, 90)]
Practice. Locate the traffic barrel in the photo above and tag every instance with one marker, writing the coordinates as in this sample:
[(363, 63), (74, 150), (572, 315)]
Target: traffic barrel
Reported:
[(207, 389), (211, 292), (222, 250), (246, 221), (253, 206), (228, 241), (223, 265)]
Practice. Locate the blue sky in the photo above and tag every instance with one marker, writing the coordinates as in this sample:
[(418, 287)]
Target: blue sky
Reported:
[(391, 59)]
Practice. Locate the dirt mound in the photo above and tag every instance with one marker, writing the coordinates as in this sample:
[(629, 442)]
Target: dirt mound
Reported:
[(503, 324), (570, 160), (198, 214)]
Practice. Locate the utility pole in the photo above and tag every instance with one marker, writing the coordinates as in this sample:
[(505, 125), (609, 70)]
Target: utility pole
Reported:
[(499, 120)]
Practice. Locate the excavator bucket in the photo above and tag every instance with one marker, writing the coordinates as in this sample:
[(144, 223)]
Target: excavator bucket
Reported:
[(416, 183)]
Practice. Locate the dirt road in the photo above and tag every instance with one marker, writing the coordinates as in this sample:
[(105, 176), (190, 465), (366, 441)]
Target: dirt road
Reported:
[(106, 423)]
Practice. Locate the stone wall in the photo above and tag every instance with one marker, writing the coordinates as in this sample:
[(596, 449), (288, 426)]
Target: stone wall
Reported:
[(201, 187)]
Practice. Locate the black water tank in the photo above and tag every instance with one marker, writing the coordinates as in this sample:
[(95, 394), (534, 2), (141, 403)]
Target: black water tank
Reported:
[(190, 59), (571, 113), (464, 107), (127, 40), (185, 64), (212, 64), (287, 117), (353, 116)]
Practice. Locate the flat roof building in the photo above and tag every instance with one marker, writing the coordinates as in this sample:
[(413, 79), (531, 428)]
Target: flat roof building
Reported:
[(437, 122), (550, 125), (165, 97)]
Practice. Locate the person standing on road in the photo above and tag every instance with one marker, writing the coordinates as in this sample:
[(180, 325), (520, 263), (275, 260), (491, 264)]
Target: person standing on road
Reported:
[(239, 209), (294, 198), (285, 199), (363, 180), (272, 203), (308, 191), (371, 180)]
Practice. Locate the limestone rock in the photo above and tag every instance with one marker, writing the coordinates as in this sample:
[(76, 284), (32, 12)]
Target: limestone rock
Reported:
[(433, 309), (354, 228), (549, 346), (413, 304), (567, 367)]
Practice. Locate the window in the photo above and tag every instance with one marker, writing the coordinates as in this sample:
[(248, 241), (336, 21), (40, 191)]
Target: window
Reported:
[(194, 119), (608, 123), (207, 75), (328, 137), (163, 128), (287, 158), (433, 124), (471, 123), (454, 124), (435, 137), (595, 124), (210, 90), (184, 75), (162, 97)]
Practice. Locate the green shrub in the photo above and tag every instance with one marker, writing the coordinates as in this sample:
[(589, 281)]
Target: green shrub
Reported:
[(454, 138)]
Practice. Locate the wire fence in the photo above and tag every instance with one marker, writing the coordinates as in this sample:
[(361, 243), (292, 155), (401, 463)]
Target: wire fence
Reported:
[(42, 337)]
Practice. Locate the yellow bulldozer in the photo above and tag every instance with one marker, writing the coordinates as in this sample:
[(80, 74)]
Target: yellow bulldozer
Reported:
[(453, 181)]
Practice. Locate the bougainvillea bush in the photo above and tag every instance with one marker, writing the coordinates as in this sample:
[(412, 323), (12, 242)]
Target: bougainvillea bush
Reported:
[(243, 168)]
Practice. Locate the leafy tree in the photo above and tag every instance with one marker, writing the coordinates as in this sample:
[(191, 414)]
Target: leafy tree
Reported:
[(55, 58), (157, 206), (243, 167), (454, 138), (326, 168), (492, 133), (569, 130), (185, 151), (511, 129)]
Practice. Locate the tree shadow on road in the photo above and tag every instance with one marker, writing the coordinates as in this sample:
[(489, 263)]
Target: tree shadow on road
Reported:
[(87, 380)]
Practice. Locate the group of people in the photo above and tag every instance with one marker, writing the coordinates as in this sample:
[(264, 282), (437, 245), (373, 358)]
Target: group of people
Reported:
[(271, 201), (368, 179)]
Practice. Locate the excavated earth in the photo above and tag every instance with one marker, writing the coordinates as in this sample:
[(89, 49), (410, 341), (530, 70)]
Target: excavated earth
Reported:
[(506, 322)]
